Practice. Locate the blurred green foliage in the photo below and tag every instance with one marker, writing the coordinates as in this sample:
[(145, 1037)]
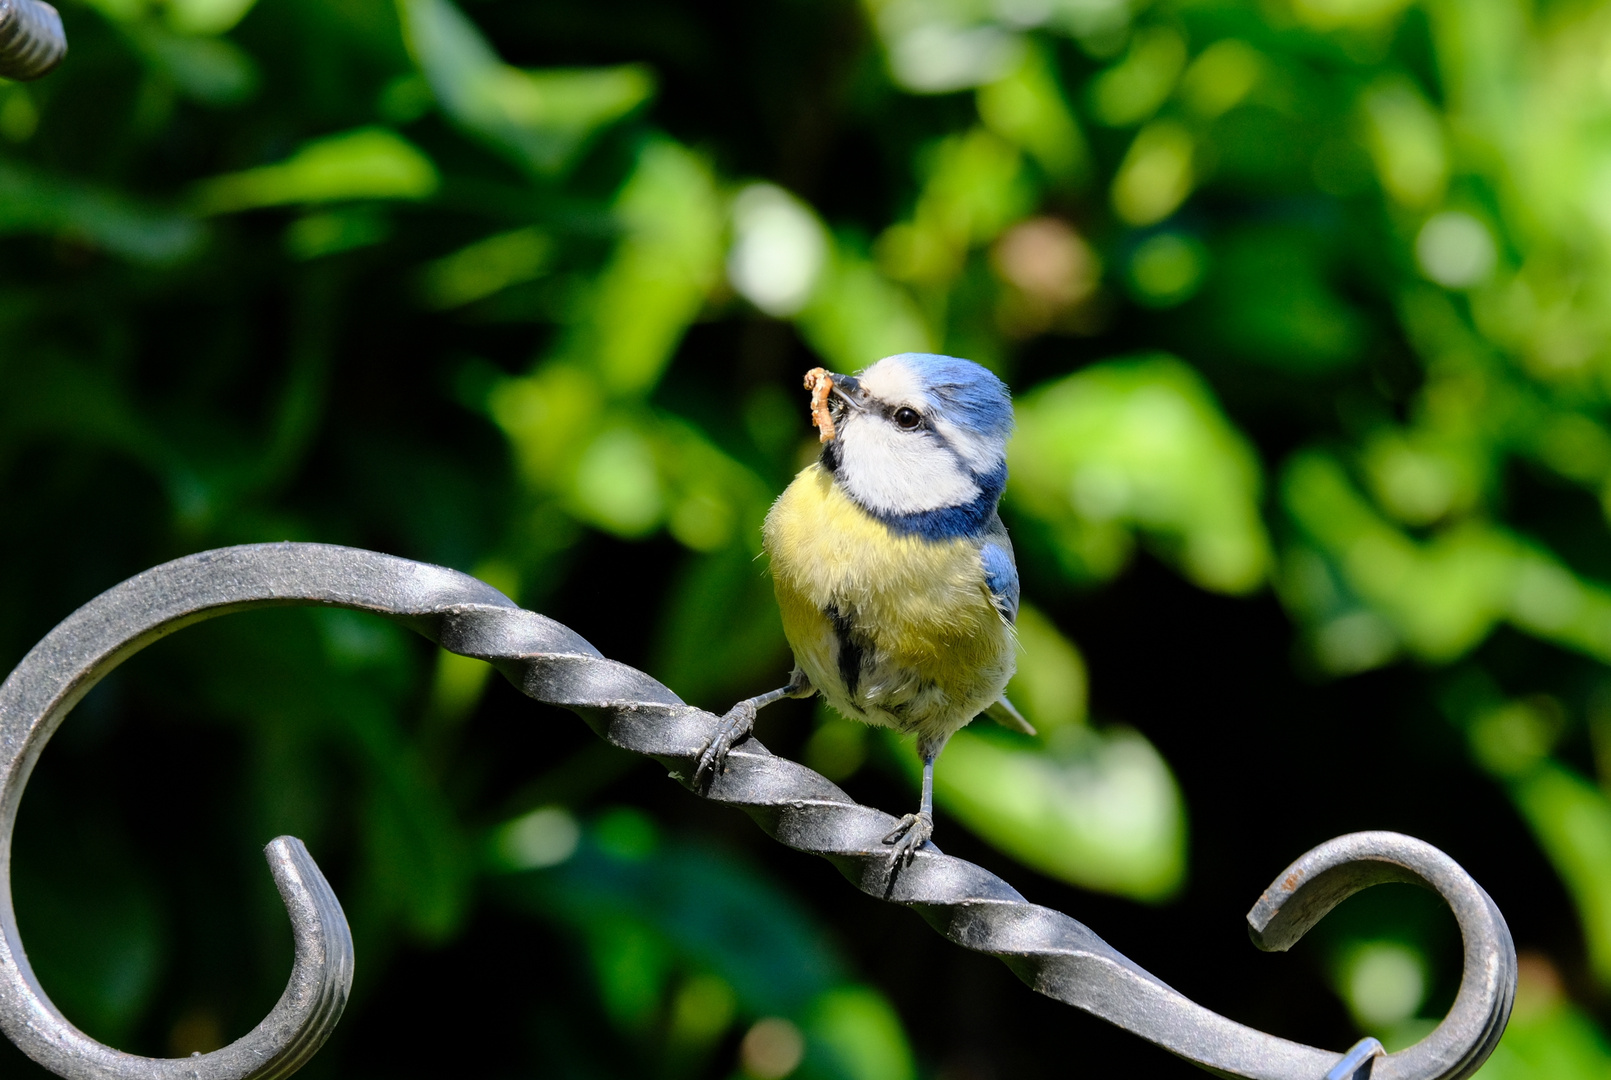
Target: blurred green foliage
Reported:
[(1305, 305)]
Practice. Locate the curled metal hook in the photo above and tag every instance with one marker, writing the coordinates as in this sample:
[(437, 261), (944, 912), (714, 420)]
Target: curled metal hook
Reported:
[(52, 678), (1337, 869), (1051, 952), (32, 41)]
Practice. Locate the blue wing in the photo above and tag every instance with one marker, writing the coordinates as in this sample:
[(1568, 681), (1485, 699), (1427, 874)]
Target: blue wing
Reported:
[(1001, 575)]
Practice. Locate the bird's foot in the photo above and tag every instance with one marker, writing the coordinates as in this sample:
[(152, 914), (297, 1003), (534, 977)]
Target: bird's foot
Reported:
[(908, 835), (734, 727)]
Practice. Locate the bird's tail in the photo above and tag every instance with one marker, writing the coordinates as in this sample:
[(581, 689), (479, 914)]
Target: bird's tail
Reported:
[(1003, 713)]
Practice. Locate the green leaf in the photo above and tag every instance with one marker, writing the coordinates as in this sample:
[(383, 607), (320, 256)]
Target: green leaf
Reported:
[(211, 70), (627, 325), (1439, 598), (1140, 445), (1549, 1036), (1133, 89), (853, 1033), (1096, 809), (35, 202), (1571, 819), (540, 119), (331, 232), (1405, 137), (1051, 685), (486, 267), (368, 163), (1157, 173), (666, 263), (207, 16)]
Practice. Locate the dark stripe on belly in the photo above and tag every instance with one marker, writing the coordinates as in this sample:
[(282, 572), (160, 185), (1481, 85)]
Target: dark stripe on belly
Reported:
[(849, 651)]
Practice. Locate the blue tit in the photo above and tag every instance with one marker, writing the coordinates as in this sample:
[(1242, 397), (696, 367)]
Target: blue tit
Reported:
[(893, 571)]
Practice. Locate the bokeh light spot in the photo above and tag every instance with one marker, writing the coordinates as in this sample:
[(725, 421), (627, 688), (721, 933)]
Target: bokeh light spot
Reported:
[(837, 748), (19, 116), (772, 1049), (1357, 641), (1383, 983), (1455, 249), (936, 57), (1511, 739), (1167, 269), (1218, 80), (779, 250), (702, 1010), (1131, 90), (617, 485), (545, 837), (1156, 174), (1048, 261)]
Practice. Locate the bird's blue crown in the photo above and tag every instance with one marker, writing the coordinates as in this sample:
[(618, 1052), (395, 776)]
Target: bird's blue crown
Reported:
[(968, 392)]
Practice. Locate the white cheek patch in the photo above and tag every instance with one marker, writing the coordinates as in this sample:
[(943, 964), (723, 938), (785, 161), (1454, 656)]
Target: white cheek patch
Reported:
[(900, 472)]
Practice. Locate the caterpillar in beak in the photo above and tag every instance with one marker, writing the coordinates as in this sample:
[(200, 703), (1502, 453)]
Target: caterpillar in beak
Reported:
[(820, 383)]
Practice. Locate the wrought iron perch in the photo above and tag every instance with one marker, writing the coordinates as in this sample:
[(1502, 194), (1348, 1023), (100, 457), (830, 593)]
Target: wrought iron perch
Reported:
[(32, 41), (1051, 952)]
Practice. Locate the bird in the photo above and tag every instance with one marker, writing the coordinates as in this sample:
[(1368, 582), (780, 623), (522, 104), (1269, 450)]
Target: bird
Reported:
[(893, 572)]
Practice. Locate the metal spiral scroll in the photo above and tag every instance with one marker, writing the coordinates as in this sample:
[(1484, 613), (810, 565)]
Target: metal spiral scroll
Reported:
[(32, 41), (1051, 952)]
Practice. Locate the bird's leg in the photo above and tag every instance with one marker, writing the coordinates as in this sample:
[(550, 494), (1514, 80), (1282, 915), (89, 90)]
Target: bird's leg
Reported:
[(914, 830), (737, 723)]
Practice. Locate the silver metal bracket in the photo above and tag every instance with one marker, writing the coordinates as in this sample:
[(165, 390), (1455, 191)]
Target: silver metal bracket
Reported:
[(1051, 952), (32, 41)]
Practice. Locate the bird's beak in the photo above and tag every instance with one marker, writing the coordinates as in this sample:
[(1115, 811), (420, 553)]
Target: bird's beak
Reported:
[(848, 390)]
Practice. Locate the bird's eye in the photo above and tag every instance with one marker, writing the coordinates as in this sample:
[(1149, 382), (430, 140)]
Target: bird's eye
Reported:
[(907, 418)]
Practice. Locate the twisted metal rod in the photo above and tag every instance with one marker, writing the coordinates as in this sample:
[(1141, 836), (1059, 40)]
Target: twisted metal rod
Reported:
[(32, 41), (1048, 950)]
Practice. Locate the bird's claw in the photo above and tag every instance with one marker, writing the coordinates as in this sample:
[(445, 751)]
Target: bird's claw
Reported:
[(908, 835), (734, 727)]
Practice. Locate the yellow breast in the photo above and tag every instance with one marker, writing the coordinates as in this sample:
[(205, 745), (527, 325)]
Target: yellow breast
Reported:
[(922, 604)]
